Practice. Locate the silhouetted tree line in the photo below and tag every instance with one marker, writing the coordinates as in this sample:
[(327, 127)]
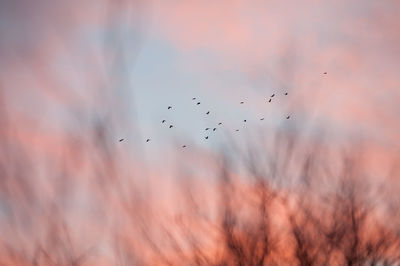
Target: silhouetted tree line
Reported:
[(292, 207)]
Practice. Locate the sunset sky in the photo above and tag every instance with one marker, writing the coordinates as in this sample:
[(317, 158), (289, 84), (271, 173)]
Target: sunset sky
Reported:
[(221, 52), (78, 76)]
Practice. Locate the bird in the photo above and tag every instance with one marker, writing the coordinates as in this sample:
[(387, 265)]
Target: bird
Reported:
[(219, 123), (206, 137), (169, 107), (270, 100), (198, 103), (194, 98), (286, 93), (121, 140), (273, 95), (207, 128), (262, 118), (288, 117), (183, 146), (241, 102), (325, 73), (245, 120), (208, 113), (214, 128), (171, 126), (147, 140), (163, 121), (237, 129)]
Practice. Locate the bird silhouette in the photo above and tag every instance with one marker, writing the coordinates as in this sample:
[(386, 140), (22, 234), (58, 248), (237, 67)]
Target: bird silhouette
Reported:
[(262, 118), (169, 107), (206, 137), (198, 103), (245, 120), (121, 140), (171, 126), (288, 117), (163, 121), (208, 112), (207, 128), (194, 98), (147, 140), (286, 93), (219, 123), (241, 102), (214, 129), (325, 73), (273, 95), (270, 100), (237, 130), (183, 146)]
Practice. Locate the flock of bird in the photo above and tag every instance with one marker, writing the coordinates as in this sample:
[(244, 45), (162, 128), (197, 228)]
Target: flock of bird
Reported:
[(220, 123), (207, 113)]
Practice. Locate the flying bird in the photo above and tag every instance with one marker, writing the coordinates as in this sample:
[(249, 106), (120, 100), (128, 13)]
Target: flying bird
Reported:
[(262, 118), (241, 102), (169, 107), (206, 137), (208, 112), (219, 123), (207, 128), (245, 120), (270, 100), (147, 140), (163, 121), (288, 117), (237, 129), (286, 93), (214, 128), (171, 126), (121, 140), (325, 73), (194, 98), (273, 95), (183, 146), (198, 103)]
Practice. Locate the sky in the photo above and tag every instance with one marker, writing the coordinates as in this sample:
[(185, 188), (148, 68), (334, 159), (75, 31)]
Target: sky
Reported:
[(78, 76), (131, 59)]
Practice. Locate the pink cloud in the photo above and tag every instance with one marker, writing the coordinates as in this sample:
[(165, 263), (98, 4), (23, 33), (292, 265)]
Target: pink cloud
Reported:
[(293, 44)]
